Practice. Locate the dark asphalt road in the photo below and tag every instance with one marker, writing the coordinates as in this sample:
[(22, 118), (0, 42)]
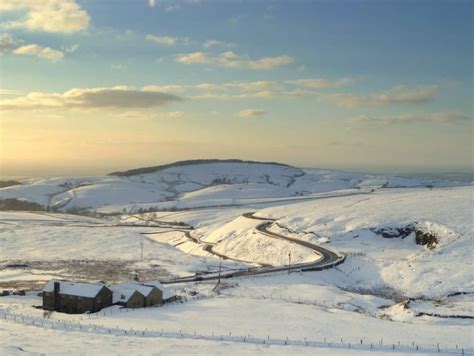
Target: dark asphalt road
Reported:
[(328, 258)]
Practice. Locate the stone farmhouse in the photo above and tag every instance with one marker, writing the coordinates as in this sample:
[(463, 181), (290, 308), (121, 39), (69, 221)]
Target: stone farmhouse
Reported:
[(74, 298)]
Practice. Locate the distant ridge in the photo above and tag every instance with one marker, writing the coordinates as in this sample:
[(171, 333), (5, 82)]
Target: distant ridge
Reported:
[(145, 170)]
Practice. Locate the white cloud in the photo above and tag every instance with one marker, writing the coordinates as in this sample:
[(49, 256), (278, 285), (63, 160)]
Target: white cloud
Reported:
[(57, 16), (162, 40), (118, 97), (118, 66), (7, 43), (175, 114), (172, 5), (53, 55), (261, 85), (5, 91), (72, 49), (150, 116), (171, 8), (250, 113), (169, 88), (395, 95), (230, 59), (449, 118), (320, 83), (195, 57), (212, 43)]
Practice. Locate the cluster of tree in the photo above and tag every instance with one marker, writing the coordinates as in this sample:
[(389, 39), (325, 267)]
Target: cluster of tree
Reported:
[(221, 180), (8, 183), (17, 204), (145, 170)]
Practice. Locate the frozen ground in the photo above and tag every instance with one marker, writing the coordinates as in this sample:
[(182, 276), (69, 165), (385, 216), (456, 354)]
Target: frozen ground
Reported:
[(390, 292)]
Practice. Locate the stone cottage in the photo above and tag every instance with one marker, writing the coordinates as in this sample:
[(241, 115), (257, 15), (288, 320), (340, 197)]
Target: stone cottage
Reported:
[(76, 298)]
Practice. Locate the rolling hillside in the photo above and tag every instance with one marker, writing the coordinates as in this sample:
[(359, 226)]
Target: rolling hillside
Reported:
[(191, 184)]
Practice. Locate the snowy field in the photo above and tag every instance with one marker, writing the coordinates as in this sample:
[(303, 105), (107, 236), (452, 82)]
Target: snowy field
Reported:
[(391, 294)]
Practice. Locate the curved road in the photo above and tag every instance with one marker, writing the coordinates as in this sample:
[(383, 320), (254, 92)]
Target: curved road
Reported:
[(328, 258)]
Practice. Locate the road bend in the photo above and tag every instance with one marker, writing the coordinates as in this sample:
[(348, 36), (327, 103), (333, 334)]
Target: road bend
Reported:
[(329, 259)]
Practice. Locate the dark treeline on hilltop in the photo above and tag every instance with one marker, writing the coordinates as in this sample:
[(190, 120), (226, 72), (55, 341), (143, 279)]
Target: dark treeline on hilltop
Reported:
[(145, 170)]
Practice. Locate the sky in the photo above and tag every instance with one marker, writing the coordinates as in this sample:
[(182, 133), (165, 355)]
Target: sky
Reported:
[(88, 87)]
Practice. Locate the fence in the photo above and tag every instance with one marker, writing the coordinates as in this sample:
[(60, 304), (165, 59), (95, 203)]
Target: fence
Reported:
[(228, 337)]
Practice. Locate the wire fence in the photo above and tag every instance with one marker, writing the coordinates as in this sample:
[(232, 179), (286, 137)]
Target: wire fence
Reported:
[(77, 326)]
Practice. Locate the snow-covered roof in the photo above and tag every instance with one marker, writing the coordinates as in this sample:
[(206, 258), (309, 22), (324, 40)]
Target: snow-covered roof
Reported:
[(167, 293), (88, 290), (121, 294), (144, 290)]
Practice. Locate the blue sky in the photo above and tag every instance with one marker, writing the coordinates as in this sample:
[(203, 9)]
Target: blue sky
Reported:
[(339, 84)]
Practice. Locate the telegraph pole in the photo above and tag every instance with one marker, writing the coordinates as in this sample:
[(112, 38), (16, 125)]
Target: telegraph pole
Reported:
[(141, 249), (220, 267), (289, 262)]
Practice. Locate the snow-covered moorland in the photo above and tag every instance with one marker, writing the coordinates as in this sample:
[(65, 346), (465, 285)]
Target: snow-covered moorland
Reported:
[(406, 284), (197, 184)]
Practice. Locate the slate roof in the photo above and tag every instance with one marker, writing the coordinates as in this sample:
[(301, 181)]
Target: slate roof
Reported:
[(121, 294), (144, 290), (88, 290)]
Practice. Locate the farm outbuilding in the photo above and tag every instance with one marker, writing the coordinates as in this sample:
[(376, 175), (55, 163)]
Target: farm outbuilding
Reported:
[(127, 298), (151, 295), (166, 294)]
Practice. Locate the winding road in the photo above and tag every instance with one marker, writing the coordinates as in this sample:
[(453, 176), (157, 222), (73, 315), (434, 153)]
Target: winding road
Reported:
[(328, 258)]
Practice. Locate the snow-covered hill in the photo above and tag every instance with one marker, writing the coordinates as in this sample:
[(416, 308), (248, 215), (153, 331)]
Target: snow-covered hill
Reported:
[(190, 184), (390, 292)]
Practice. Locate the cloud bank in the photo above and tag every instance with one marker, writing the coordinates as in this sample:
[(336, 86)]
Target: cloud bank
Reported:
[(448, 118), (57, 16), (39, 51), (230, 59), (91, 98), (250, 113), (393, 96)]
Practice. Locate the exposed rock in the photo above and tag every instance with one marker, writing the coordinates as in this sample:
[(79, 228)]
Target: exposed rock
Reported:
[(392, 232), (422, 237), (425, 238)]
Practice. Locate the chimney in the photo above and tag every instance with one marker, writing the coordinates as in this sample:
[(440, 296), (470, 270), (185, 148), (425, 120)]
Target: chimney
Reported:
[(55, 295)]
